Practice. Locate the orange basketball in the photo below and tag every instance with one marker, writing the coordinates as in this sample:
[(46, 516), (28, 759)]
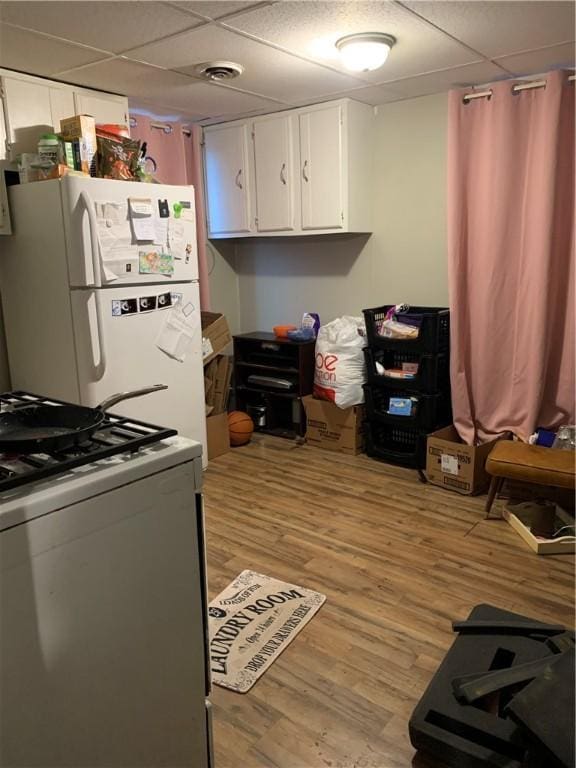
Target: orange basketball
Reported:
[(241, 427)]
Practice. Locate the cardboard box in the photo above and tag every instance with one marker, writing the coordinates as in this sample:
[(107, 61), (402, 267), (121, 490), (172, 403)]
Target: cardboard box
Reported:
[(222, 383), (333, 428), (519, 517), (452, 464), (215, 335), (217, 375), (81, 130), (218, 436)]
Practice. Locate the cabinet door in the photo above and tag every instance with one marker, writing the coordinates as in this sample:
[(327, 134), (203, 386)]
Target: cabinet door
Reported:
[(274, 186), (61, 105), (104, 109), (227, 180), (322, 168), (29, 114)]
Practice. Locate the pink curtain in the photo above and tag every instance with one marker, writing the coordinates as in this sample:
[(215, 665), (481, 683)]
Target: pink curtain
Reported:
[(164, 148), (178, 160), (511, 259)]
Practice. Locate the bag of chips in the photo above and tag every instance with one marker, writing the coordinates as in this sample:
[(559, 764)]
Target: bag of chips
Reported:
[(117, 156)]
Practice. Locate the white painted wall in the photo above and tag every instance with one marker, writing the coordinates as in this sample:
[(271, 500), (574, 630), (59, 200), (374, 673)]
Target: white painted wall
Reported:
[(224, 285), (403, 260)]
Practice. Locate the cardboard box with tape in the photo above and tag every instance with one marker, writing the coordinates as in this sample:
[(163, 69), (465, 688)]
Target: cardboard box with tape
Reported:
[(455, 465), (333, 428), (217, 375), (215, 335)]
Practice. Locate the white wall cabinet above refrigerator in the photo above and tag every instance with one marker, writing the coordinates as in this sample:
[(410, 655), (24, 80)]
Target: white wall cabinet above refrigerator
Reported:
[(34, 105), (104, 107), (307, 171)]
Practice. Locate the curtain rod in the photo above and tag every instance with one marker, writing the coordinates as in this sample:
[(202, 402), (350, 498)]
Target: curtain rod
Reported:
[(515, 89), (166, 127)]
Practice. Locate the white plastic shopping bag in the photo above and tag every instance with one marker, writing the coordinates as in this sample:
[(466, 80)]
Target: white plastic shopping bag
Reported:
[(340, 371)]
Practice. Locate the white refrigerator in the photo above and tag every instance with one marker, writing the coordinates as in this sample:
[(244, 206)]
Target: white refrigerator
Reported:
[(100, 294)]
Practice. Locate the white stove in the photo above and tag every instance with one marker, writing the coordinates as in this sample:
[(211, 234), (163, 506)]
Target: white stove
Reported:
[(103, 628)]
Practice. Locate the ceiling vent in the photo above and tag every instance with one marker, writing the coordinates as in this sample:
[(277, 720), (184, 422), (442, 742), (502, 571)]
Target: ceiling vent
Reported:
[(219, 70)]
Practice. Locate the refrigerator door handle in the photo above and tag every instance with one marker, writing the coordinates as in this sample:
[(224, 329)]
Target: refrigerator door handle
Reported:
[(94, 311), (91, 266)]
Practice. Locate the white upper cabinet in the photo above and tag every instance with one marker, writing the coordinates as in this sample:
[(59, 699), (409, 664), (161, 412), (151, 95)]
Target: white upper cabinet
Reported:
[(104, 108), (33, 106), (61, 105), (321, 160), (29, 114), (274, 164), (309, 172), (228, 177)]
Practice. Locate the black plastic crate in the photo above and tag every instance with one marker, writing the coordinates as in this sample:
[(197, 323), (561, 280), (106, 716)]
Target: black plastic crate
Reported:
[(434, 334), (404, 446), (428, 412), (433, 370)]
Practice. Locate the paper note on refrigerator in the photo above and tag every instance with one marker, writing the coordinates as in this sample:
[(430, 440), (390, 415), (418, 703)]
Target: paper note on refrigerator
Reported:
[(114, 213), (180, 327), (161, 232), (176, 239), (187, 212), (119, 258), (141, 216)]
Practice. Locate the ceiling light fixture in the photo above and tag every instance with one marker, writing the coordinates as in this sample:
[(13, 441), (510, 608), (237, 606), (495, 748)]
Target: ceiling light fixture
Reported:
[(365, 51)]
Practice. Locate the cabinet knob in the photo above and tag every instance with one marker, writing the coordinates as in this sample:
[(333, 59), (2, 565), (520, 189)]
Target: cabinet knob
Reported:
[(283, 173), (238, 180), (304, 171)]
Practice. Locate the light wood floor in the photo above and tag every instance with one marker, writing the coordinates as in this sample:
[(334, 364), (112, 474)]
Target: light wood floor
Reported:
[(398, 561)]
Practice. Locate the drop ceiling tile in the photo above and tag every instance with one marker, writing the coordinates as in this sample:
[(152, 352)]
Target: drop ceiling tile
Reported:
[(228, 102), (310, 29), (214, 9), (267, 71), (424, 85), (369, 94), (39, 54), (160, 113), (167, 88), (541, 60), (113, 26), (438, 82), (244, 115), (128, 78), (501, 27)]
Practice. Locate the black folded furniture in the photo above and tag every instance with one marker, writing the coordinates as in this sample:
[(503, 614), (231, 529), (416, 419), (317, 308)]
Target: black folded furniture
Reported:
[(502, 697)]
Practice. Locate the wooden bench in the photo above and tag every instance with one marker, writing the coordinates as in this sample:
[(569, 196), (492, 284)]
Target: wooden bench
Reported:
[(512, 460)]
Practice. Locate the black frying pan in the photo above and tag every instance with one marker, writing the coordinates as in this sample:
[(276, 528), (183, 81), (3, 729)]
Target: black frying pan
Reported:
[(49, 428)]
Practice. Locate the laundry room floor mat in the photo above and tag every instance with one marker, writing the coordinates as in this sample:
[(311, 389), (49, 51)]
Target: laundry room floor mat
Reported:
[(251, 622)]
